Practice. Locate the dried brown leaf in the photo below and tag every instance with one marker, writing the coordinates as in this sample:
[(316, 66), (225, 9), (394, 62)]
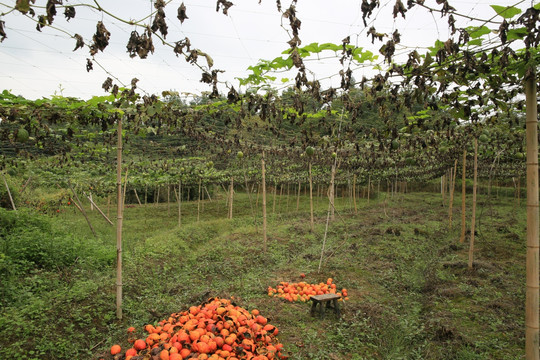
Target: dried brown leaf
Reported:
[(182, 13), (159, 23), (89, 65), (399, 8), (41, 23), (107, 84), (100, 38), (225, 6), (80, 41), (69, 12), (51, 9), (2, 31)]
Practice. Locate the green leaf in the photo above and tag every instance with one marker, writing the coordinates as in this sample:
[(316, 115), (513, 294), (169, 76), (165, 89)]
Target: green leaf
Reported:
[(284, 80), (516, 34), (475, 42), (357, 51), (312, 48), (330, 46), (506, 12), (476, 32), (303, 52), (502, 105), (279, 63), (256, 70), (438, 45), (537, 6)]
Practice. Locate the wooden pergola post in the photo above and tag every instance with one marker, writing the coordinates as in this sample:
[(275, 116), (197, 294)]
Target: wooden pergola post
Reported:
[(531, 293), (119, 222)]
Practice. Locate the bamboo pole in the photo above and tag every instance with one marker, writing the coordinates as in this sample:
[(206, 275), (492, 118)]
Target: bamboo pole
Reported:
[(231, 198), (280, 208), (473, 221), (137, 196), (288, 193), (349, 192), (249, 195), (179, 203), (108, 204), (125, 187), (202, 198), (274, 199), (257, 199), (9, 193), (328, 215), (199, 201), (298, 197), (25, 185), (264, 202), (354, 194), (168, 199), (531, 294), (519, 191), (207, 193), (99, 210), (226, 198), (368, 188), (77, 201), (331, 195), (453, 183), (312, 222), (463, 191), (119, 222)]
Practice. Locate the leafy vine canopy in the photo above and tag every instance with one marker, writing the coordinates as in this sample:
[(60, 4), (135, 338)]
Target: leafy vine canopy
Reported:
[(414, 94), (279, 43)]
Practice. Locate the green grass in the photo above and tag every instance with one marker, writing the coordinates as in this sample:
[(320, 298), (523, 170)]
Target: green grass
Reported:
[(411, 294)]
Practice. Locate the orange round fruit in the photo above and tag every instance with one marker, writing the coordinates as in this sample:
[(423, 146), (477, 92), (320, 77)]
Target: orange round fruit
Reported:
[(139, 345), (115, 349)]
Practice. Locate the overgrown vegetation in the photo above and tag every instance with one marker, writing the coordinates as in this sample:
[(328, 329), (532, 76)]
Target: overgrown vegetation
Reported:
[(411, 295)]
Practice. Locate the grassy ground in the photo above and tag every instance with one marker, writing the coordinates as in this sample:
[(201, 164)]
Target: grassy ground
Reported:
[(411, 294)]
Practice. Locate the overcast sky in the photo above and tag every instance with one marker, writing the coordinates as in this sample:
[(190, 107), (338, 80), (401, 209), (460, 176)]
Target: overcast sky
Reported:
[(39, 64)]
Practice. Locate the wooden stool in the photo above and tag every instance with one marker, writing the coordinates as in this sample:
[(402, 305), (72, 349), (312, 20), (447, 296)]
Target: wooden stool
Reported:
[(331, 301)]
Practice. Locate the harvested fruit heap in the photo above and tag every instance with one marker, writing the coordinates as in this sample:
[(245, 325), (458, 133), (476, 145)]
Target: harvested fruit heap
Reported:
[(216, 330), (303, 291)]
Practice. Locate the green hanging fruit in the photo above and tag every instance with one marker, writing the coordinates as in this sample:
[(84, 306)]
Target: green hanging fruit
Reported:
[(310, 150), (483, 138), (22, 135)]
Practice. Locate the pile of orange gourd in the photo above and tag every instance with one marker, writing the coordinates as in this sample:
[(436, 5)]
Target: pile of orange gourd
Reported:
[(303, 291), (216, 330)]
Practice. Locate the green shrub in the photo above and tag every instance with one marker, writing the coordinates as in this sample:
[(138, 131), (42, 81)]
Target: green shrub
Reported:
[(4, 196), (32, 240)]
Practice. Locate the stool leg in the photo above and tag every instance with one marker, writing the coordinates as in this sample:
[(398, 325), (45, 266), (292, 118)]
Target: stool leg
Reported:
[(336, 308), (313, 308)]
